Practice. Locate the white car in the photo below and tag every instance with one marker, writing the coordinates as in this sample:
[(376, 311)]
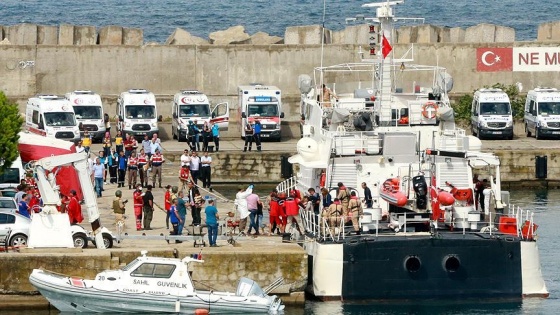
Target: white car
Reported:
[(18, 224)]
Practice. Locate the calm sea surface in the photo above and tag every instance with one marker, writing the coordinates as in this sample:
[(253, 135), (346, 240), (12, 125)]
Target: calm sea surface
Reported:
[(159, 18), (546, 205)]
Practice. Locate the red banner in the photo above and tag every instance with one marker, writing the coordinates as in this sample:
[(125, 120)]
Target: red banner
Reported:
[(494, 59)]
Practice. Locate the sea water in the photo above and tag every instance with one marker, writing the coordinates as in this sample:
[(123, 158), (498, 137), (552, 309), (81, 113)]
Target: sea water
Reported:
[(159, 18)]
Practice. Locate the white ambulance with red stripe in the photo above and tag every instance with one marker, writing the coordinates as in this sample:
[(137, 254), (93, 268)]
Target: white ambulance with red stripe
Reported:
[(137, 112), (192, 105), (51, 116), (262, 102), (89, 112)]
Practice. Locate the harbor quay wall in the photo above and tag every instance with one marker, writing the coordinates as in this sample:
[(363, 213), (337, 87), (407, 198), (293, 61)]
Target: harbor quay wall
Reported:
[(220, 271), (217, 70)]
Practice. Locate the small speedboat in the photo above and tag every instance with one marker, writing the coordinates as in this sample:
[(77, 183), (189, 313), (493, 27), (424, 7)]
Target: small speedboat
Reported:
[(150, 284)]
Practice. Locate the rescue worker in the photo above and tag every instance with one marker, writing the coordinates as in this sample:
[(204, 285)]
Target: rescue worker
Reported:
[(74, 209), (274, 212), (355, 211), (334, 215), (118, 208), (142, 169), (157, 161), (138, 205), (343, 196), (132, 170), (292, 210)]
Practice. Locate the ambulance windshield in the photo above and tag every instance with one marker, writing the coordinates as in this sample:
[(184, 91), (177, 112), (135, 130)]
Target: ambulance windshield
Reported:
[(60, 119), (198, 110), (140, 111), (549, 108), (263, 110), (495, 109), (87, 112)]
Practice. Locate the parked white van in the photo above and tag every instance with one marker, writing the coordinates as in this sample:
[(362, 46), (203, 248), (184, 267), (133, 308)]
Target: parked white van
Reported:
[(51, 116), (137, 112), (89, 112), (542, 113), (491, 114), (191, 105)]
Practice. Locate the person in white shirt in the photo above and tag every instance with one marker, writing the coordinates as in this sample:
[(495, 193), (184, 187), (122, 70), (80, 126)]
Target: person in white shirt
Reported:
[(241, 206), (185, 158), (205, 170), (195, 167)]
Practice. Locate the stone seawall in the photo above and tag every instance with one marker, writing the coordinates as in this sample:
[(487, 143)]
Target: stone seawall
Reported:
[(65, 34)]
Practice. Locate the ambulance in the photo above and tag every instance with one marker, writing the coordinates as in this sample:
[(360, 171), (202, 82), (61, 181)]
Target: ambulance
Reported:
[(51, 116), (263, 103), (542, 113), (89, 112), (192, 105), (491, 114), (137, 113)]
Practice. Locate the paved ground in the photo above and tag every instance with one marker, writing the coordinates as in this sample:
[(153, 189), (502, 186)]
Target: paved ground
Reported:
[(170, 176)]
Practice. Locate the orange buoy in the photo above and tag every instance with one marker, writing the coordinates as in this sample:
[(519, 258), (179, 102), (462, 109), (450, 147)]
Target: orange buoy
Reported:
[(429, 110), (445, 198)]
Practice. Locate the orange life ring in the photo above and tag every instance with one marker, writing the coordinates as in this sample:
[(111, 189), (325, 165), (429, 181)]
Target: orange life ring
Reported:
[(427, 113)]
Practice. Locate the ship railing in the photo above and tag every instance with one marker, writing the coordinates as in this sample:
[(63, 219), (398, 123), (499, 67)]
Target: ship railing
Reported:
[(286, 185)]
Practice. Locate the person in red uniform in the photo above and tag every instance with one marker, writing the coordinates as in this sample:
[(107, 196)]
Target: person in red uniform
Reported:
[(138, 205), (282, 211), (132, 170), (167, 203), (74, 209), (128, 145), (274, 212), (35, 201)]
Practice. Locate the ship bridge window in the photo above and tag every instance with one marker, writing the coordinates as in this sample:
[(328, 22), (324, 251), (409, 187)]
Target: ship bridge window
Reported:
[(152, 270)]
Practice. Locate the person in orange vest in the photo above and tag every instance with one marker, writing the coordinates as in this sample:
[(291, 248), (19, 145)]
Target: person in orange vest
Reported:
[(142, 168), (138, 205), (132, 170), (292, 210), (170, 194), (157, 161)]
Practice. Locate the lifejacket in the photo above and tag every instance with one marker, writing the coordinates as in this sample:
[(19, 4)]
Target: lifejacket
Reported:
[(142, 160), (157, 159), (132, 163), (274, 207), (292, 207)]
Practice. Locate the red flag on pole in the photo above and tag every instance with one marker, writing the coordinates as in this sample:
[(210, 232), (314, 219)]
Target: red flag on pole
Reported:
[(386, 47)]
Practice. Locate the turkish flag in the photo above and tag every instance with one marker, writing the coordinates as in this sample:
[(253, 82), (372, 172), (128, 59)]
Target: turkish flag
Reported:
[(386, 47), (494, 59)]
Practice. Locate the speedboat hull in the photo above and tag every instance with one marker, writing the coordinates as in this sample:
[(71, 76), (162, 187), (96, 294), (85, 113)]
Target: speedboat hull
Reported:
[(69, 294)]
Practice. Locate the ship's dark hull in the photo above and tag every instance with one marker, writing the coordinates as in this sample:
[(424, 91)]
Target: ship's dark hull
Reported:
[(424, 267)]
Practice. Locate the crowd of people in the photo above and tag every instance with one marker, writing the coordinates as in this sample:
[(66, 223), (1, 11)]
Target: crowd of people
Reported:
[(284, 209)]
